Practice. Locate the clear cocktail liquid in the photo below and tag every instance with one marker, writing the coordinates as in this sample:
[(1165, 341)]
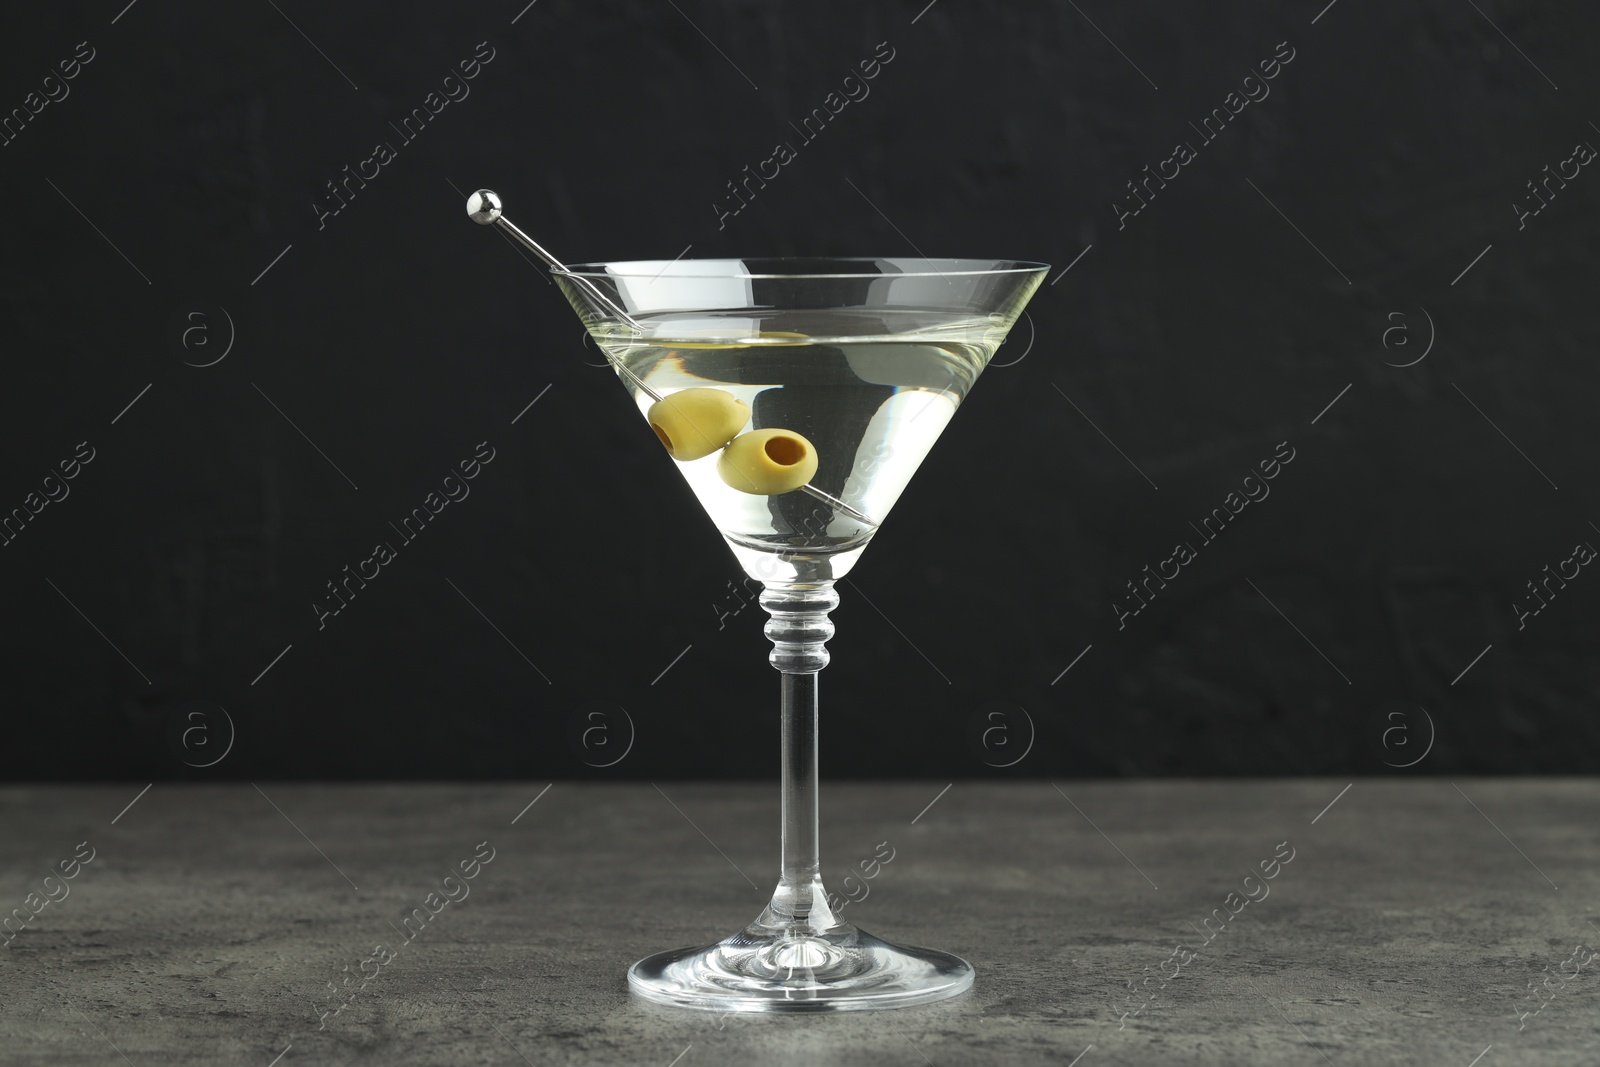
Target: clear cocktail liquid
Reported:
[(871, 391)]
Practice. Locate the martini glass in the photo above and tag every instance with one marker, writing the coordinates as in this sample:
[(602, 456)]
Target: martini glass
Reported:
[(808, 393)]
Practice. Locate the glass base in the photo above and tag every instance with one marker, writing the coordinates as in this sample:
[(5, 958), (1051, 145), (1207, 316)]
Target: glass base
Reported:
[(766, 969)]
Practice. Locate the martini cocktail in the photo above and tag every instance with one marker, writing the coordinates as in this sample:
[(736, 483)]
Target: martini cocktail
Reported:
[(797, 397)]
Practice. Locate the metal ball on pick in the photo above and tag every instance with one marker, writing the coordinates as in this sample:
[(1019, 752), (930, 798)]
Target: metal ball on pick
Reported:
[(483, 207)]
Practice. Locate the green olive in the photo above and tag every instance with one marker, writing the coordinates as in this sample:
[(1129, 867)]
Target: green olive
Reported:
[(693, 423), (768, 462)]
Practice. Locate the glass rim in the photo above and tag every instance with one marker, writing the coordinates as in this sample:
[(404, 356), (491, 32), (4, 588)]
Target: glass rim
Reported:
[(653, 268)]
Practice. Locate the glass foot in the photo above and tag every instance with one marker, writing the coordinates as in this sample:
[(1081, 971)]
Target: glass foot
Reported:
[(800, 969)]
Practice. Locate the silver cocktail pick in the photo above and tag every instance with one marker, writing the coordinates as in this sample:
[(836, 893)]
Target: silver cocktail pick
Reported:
[(484, 208)]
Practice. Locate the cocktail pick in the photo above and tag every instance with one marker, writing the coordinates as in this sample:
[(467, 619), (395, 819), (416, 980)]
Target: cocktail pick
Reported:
[(484, 208)]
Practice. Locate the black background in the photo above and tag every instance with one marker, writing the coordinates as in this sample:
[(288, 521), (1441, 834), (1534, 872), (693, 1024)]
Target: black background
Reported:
[(1196, 338)]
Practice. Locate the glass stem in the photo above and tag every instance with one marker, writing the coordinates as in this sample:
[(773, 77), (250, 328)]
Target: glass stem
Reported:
[(801, 861), (799, 629)]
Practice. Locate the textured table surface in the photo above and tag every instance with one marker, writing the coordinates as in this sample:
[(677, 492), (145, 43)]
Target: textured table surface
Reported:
[(208, 925)]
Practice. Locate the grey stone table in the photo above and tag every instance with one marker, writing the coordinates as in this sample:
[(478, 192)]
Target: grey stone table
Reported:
[(1407, 925)]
